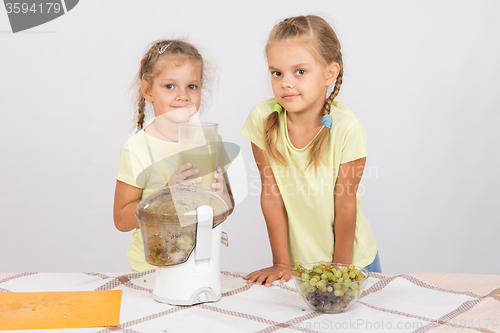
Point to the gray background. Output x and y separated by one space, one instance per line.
423 75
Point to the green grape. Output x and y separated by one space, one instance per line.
305 276
352 275
345 276
329 289
340 280
337 286
322 262
324 276
338 274
344 269
318 270
320 285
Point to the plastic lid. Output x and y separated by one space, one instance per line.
177 205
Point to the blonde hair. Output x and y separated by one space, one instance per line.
153 63
319 38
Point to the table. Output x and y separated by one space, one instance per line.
415 302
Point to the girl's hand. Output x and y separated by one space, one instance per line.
276 272
220 184
181 173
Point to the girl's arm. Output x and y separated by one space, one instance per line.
126 199
277 225
344 196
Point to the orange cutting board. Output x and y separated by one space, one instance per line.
51 310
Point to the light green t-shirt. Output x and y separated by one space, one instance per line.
308 197
150 169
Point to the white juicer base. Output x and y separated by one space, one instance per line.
192 282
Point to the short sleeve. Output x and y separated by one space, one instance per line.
253 127
223 159
125 170
355 144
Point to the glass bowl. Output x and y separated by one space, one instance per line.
323 290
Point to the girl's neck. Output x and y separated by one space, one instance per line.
305 120
163 129
309 118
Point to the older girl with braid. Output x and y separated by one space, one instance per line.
311 152
171 77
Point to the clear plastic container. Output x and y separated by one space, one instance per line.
168 221
198 144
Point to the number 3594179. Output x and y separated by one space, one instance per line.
20 7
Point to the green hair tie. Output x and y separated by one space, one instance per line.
278 108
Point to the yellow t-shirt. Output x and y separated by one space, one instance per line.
147 163
308 197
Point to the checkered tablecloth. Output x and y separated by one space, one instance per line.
416 302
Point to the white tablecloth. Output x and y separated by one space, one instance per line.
416 302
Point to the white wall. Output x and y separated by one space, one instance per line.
423 75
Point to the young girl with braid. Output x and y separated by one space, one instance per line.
171 77
310 151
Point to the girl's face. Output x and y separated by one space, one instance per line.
299 82
176 91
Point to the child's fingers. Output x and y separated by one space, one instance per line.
219 178
188 173
267 279
252 277
183 167
196 180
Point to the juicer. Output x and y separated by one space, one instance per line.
181 230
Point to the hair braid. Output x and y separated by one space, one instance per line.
335 91
141 113
271 128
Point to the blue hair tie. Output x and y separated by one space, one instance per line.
327 121
278 108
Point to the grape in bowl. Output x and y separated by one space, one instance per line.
329 287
